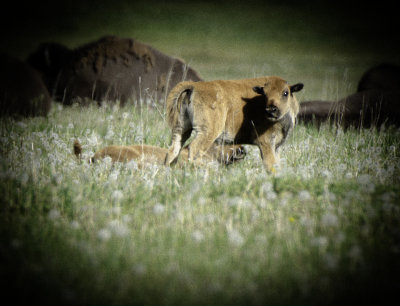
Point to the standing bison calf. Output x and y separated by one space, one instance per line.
259 111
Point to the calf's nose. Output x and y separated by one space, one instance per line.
272 109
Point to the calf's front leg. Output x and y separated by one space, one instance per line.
268 156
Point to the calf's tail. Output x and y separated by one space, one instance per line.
78 152
77 149
181 93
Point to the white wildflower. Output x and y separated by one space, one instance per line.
304 196
271 196
262 203
267 190
198 236
138 138
355 252
205 219
93 140
389 207
261 239
56 178
107 162
132 165
75 225
388 197
104 234
54 214
331 261
255 214
21 124
235 201
306 221
202 201
139 269
158 209
326 173
113 176
116 210
126 218
348 175
117 195
371 211
329 219
364 179
238 202
24 178
320 241
342 167
235 238
366 182
118 228
70 125
109 135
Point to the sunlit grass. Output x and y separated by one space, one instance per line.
173 235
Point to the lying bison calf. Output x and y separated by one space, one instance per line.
259 111
156 155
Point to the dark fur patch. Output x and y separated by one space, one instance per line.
77 149
287 126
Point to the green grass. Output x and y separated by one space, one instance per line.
117 234
323 229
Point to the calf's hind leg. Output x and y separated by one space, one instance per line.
179 138
204 139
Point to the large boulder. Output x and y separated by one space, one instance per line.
376 102
22 91
383 77
362 109
110 69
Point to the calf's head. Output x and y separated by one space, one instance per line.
279 98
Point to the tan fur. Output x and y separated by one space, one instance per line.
231 112
150 154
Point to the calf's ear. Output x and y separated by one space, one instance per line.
296 87
259 90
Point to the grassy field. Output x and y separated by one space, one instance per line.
324 229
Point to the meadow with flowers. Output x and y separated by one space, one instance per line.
324 229
118 234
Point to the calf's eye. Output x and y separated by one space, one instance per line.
285 93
